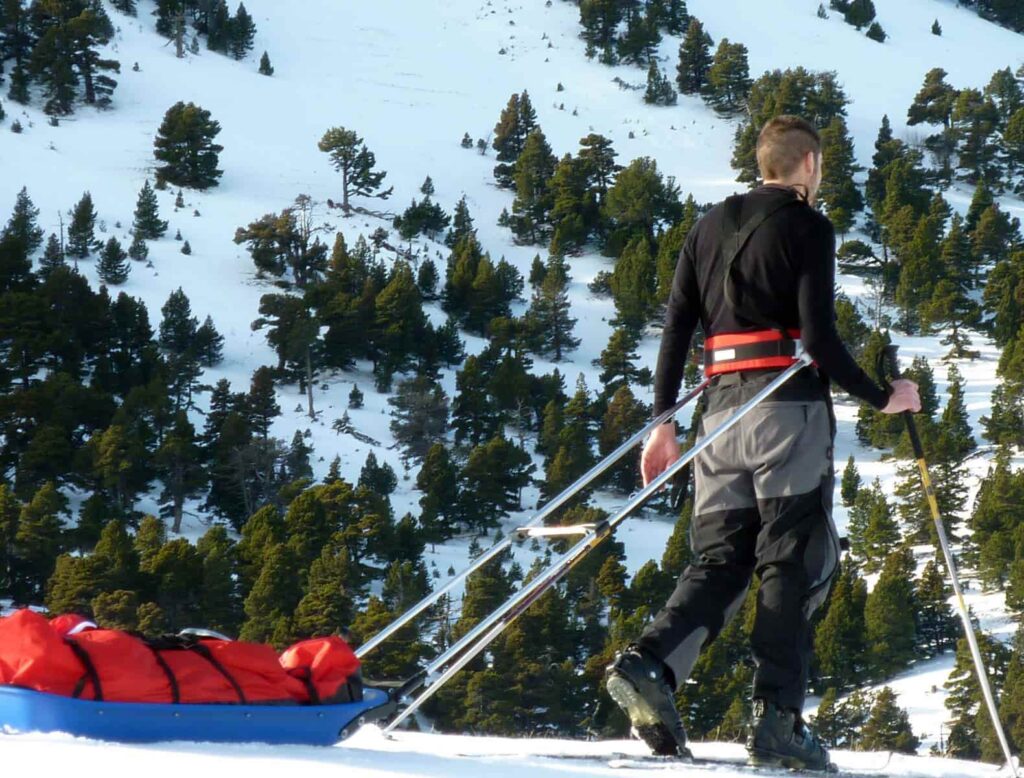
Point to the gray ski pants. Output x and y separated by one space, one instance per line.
763 503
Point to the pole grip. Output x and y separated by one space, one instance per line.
892 362
889 365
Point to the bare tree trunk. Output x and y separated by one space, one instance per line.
179 35
309 382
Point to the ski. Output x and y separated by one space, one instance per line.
740 764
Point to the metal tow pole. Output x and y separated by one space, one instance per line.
926 483
474 641
557 502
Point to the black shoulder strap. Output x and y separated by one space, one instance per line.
90 675
735 239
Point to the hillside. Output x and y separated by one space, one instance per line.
411 79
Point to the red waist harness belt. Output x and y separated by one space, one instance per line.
758 350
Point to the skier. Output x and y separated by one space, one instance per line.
757 272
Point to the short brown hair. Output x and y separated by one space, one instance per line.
782 144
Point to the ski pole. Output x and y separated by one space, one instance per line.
478 638
538 519
892 363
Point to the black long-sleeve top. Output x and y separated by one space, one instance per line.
786 274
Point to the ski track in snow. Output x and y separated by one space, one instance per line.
411 78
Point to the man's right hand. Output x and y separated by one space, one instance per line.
904 397
660 451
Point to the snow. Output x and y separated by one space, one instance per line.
411 78
368 753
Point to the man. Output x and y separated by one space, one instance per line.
757 272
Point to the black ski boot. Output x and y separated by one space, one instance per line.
779 738
637 682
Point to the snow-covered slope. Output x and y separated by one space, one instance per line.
411 78
368 754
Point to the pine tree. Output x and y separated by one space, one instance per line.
670 246
624 416
936 626
859 13
600 20
889 615
138 250
399 320
148 225
178 326
510 134
533 169
220 600
951 304
964 700
22 226
572 450
184 144
126 7
438 482
118 609
640 201
356 163
327 607
728 78
876 33
74 584
838 192
850 484
974 121
840 647
378 479
81 230
548 318
888 728
639 42
936 28
266 69
659 88
37 542
694 59
954 424
179 465
218 27
261 403
491 482
462 223
420 417
242 32
113 267
52 67
273 598
86 33
633 285
18 92
617 362
208 344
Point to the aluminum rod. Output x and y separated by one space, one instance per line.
557 502
972 640
474 641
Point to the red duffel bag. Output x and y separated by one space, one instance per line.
327 668
34 655
72 657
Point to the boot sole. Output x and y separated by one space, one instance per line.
645 720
